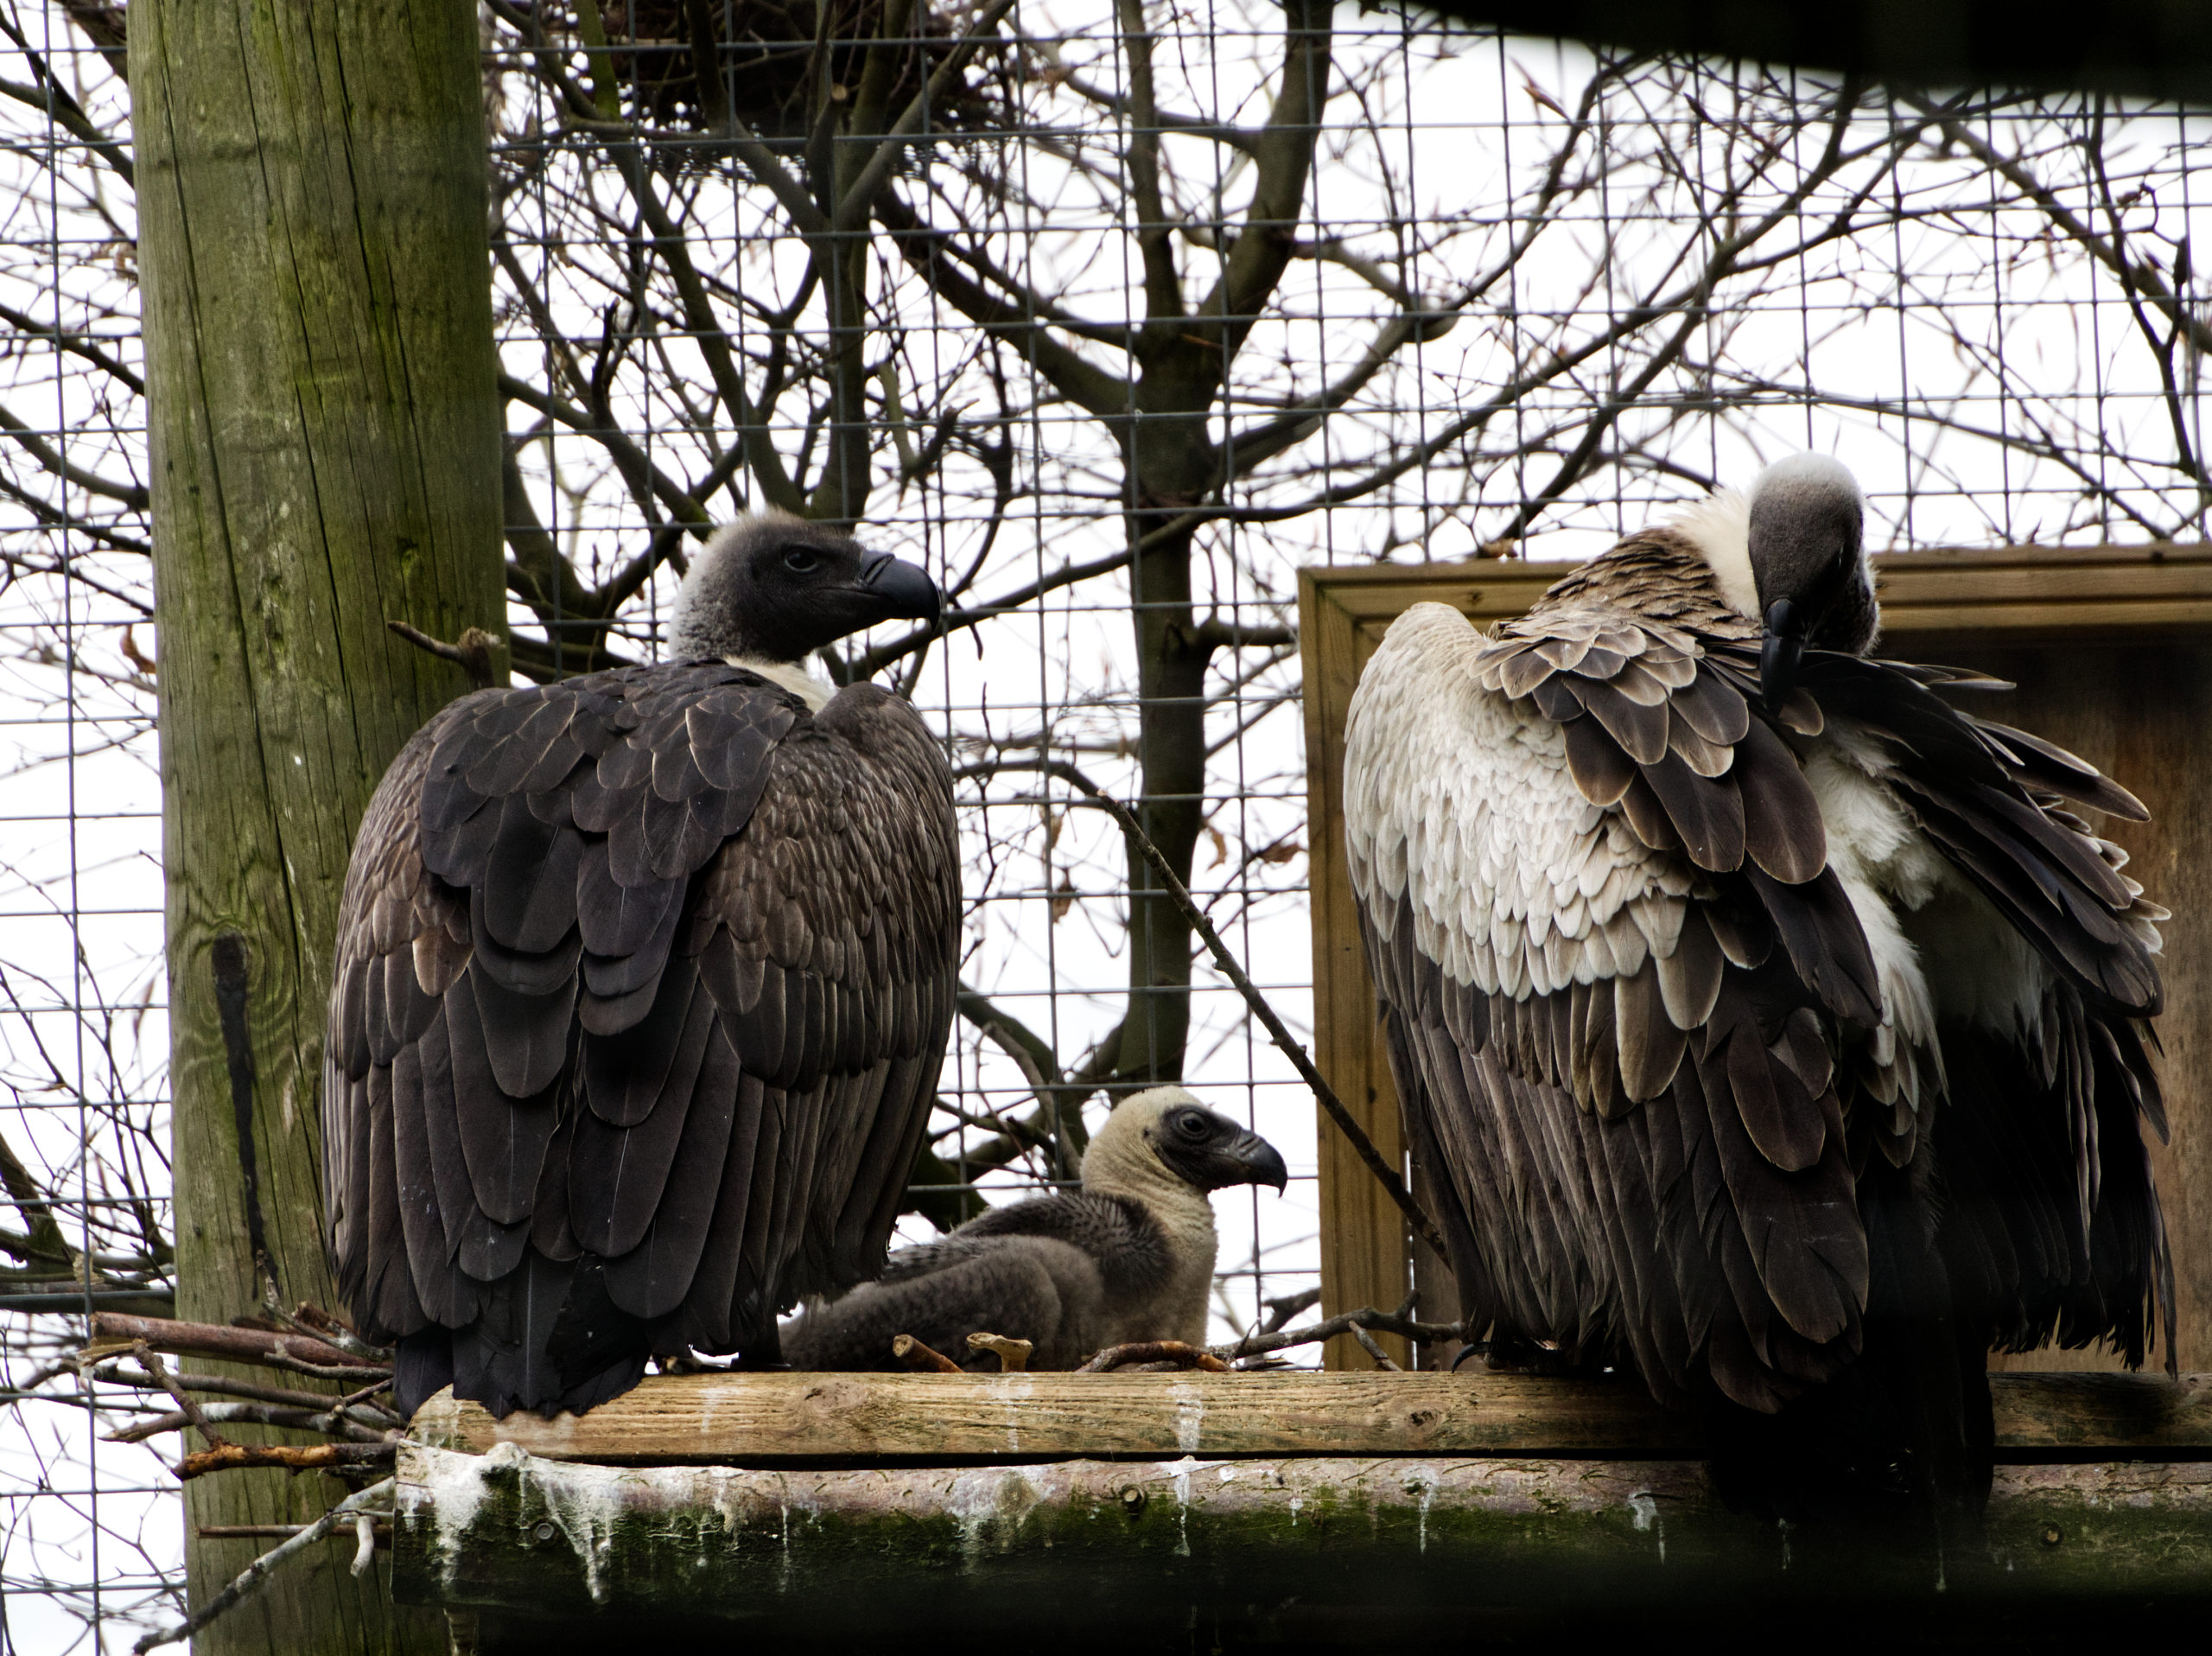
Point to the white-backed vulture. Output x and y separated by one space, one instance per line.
1766 1023
643 982
1129 1257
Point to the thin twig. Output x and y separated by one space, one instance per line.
1382 1359
918 1357
296 1457
1181 1352
192 1411
295 1352
332 1423
473 655
1013 1354
1282 1308
268 1531
261 1569
1398 1323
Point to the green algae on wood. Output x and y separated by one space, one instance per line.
1092 1542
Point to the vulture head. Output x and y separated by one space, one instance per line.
1806 543
773 588
1165 1134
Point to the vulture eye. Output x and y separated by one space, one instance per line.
801 560
1189 1123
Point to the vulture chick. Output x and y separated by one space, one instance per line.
1129 1257
1764 1023
642 986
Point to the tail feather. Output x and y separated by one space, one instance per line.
548 1338
1905 1433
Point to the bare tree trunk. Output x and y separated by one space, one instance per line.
1172 465
325 455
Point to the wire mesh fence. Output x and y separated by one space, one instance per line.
1112 315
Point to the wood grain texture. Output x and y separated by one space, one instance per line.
325 438
2112 649
1365 1243
767 1418
1150 1551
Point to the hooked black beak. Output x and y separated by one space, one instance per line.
1260 1162
1781 653
903 590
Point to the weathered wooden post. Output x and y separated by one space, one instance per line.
325 455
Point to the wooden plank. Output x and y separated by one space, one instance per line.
765 1418
1364 1241
1296 1545
2111 647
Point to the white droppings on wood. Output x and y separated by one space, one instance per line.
452 1491
1644 1512
1010 1392
587 1511
1179 1479
1189 1415
1421 1483
990 1505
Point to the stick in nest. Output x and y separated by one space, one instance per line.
1400 1322
1013 1354
1181 1354
918 1357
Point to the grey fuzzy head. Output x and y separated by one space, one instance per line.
1807 548
773 588
1166 1130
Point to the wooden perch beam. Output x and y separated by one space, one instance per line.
1012 1417
1286 1547
767 1418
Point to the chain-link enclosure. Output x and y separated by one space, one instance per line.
1112 315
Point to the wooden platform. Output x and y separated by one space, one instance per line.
770 1420
1253 1508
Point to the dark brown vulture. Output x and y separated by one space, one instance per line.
1129 1257
1767 1024
643 982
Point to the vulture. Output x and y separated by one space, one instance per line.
643 982
1129 1257
1766 1024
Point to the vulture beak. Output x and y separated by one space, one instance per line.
1781 651
1259 1162
903 590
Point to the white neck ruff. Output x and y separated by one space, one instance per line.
793 676
1719 526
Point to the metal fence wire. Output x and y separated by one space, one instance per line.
1148 305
